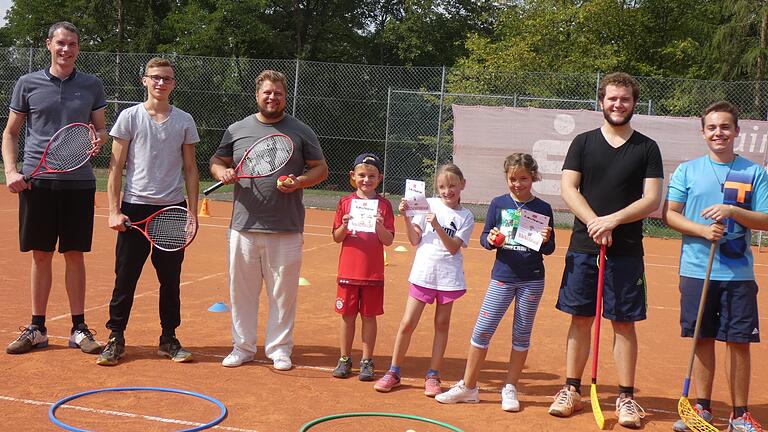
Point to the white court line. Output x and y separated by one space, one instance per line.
140 295
122 414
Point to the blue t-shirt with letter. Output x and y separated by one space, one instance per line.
701 183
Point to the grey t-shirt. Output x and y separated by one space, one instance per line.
50 104
153 167
258 204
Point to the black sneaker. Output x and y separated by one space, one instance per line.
171 347
344 368
112 352
366 370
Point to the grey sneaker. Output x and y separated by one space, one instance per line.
171 347
367 371
30 337
680 425
82 337
112 352
344 368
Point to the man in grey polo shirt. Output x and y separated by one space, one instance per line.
54 207
265 235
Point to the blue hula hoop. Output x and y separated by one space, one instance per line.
59 423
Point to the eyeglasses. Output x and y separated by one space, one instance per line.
157 78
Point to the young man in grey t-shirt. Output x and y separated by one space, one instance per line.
267 224
155 143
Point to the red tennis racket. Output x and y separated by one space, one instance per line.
69 149
170 229
264 157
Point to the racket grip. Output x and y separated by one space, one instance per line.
27 178
127 224
212 188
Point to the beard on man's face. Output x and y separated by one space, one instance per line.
620 122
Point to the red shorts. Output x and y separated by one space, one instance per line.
366 299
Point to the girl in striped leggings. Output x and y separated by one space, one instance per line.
518 273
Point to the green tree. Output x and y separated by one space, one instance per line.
740 51
138 22
425 32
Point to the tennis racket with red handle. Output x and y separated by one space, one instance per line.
69 149
264 157
170 229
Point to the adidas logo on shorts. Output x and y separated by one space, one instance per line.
755 331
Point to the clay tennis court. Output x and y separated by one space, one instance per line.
261 399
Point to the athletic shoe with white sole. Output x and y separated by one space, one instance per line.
237 357
459 393
629 412
282 363
680 425
567 401
509 400
30 337
82 337
113 351
171 347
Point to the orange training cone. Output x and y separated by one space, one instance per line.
204 212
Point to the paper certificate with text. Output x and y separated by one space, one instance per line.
415 197
362 215
529 231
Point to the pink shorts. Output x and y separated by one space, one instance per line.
428 295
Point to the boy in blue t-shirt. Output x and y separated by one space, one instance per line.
719 198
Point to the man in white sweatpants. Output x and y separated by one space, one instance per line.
265 235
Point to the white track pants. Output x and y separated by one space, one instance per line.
275 260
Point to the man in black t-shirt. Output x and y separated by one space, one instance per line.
612 179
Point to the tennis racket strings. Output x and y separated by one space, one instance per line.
267 156
172 229
70 149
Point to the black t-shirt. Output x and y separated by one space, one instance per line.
612 179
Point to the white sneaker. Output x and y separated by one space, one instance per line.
459 393
237 357
509 400
282 363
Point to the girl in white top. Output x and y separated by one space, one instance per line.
437 273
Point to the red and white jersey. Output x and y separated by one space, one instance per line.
361 261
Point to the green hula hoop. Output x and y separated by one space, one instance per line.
317 421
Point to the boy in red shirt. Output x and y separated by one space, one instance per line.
361 265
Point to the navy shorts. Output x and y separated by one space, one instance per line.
48 214
730 311
624 290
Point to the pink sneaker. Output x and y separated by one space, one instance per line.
386 383
432 386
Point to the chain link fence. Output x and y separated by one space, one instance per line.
401 113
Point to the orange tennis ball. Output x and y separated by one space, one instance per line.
498 241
